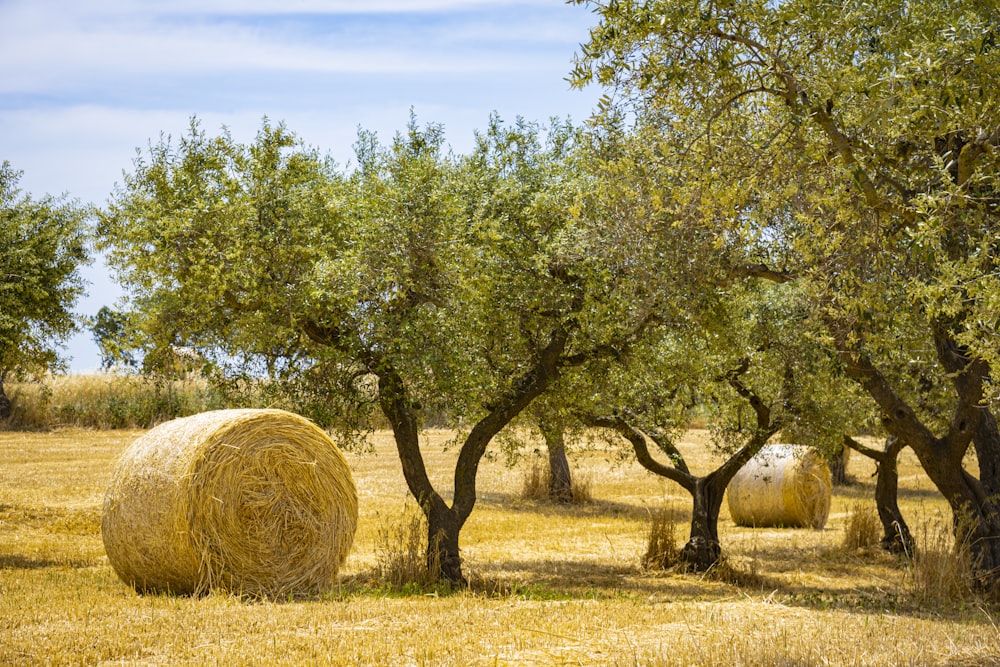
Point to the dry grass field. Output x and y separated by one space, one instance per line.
551 585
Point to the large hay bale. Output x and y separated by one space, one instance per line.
783 485
258 502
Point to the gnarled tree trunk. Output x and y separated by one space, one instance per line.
703 549
974 509
443 557
560 480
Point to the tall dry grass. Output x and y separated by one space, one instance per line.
663 543
940 573
401 548
105 401
863 529
537 478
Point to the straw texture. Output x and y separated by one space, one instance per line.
783 485
258 502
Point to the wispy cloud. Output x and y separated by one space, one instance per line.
89 45
86 82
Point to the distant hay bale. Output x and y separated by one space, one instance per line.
783 485
257 502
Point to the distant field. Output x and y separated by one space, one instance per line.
571 590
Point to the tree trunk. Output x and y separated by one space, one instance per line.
5 406
560 480
443 557
975 512
976 517
703 548
987 444
838 466
896 537
443 524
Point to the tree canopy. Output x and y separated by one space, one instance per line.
43 245
416 278
851 146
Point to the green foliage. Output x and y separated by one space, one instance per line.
43 245
453 271
857 139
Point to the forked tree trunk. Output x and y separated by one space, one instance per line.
703 548
443 557
560 480
974 509
444 523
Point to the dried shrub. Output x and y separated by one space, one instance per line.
401 551
662 548
863 529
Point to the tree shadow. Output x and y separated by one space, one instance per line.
19 562
595 508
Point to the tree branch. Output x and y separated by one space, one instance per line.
638 441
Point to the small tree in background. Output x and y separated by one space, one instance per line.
43 245
114 338
743 365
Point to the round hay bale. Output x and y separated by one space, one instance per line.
257 502
783 485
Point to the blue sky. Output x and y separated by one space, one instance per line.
87 82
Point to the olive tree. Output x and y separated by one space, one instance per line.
43 245
415 279
861 137
744 366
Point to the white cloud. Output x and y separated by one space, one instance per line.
89 46
320 7
86 82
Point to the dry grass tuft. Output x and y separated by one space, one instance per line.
940 573
401 551
535 481
257 502
863 529
662 545
537 477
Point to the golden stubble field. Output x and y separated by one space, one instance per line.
573 591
